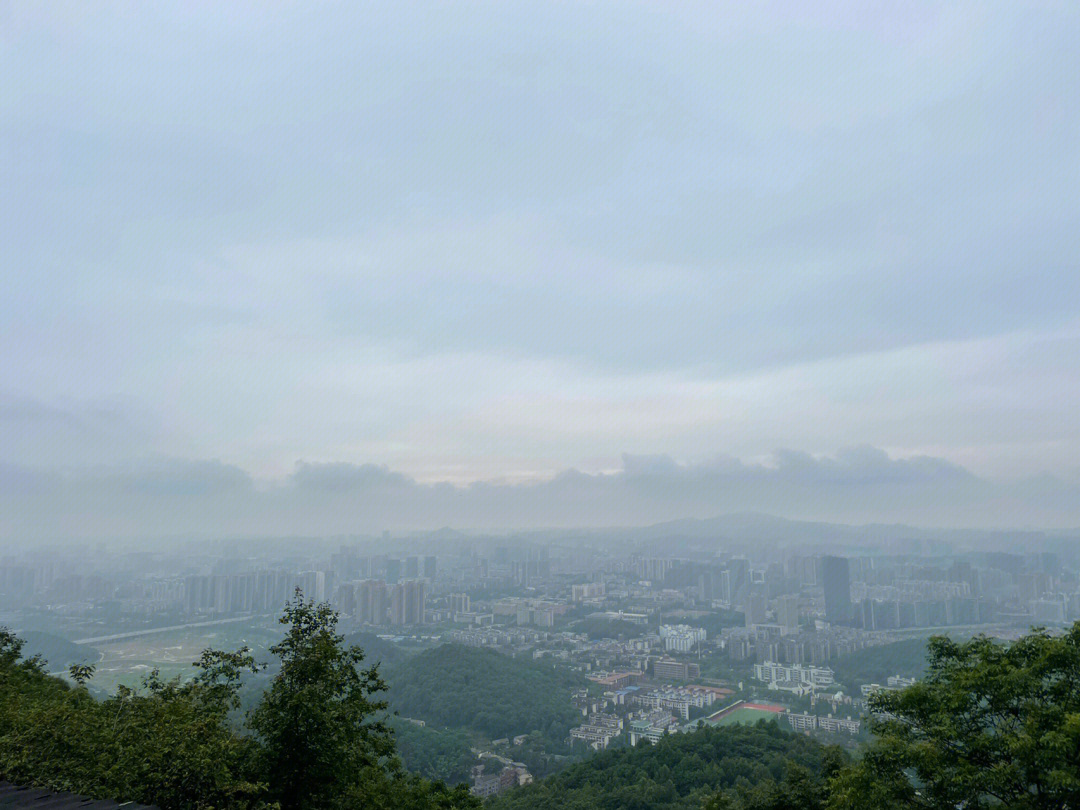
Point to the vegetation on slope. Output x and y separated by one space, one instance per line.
876 664
58 653
990 725
680 772
377 650
482 690
317 741
442 754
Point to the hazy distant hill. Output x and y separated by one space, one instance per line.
753 526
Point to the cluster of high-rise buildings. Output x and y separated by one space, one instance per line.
377 602
255 592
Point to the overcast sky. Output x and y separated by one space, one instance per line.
496 242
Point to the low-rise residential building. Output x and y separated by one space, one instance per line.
677 699
839 724
669 668
599 731
652 727
810 722
794 677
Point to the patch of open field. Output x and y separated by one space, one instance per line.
129 661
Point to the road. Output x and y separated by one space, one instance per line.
152 631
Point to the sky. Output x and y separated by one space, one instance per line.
536 264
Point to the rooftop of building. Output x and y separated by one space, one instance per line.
17 797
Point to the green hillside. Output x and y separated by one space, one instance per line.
443 754
681 772
482 690
876 664
58 652
377 650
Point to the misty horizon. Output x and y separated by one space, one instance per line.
167 498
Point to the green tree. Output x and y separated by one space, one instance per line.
991 725
167 744
178 745
322 745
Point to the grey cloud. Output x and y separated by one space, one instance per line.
861 466
172 477
66 431
342 477
704 193
210 498
17 481
856 466
634 466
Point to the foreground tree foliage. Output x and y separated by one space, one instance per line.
990 726
313 741
314 721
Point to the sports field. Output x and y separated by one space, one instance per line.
745 717
745 713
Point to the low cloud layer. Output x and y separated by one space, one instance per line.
169 498
492 241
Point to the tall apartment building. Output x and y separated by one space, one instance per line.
372 602
653 568
415 598
407 602
393 570
590 590
459 603
787 613
836 579
755 609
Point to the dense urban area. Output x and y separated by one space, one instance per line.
510 657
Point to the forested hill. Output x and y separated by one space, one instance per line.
485 691
58 653
876 664
681 772
377 650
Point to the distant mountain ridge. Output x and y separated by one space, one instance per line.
754 526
